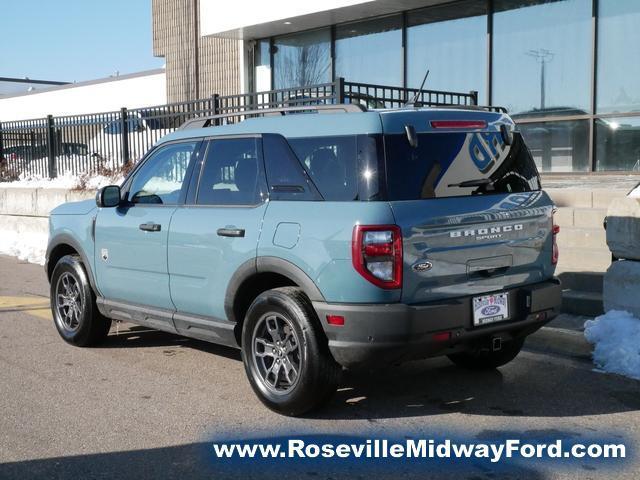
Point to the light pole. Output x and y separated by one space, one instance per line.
542 56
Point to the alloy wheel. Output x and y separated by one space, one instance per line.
276 353
68 302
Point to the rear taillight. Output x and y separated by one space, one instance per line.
376 252
555 252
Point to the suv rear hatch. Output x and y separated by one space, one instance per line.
468 201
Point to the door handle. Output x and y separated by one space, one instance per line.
150 227
231 232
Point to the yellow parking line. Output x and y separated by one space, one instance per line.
35 306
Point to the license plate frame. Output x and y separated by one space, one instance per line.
490 309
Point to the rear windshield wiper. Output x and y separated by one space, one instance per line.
478 182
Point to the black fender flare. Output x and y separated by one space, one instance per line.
67 239
268 265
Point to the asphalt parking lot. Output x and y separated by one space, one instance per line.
147 404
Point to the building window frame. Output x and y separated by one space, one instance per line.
592 116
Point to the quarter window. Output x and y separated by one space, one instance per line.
331 162
287 179
161 178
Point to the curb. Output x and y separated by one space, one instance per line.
560 341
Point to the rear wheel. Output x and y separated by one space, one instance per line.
73 305
285 354
486 359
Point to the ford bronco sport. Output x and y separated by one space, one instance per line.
334 237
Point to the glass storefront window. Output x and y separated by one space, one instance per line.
370 52
618 143
618 56
542 56
451 42
262 66
302 59
558 146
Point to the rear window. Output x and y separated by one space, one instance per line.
457 164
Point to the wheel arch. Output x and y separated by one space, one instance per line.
258 275
64 244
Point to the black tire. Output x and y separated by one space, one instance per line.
485 359
318 373
85 326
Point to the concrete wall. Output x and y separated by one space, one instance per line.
137 90
27 209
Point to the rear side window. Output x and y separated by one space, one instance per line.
332 164
232 173
458 164
286 177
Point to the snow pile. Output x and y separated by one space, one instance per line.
24 240
635 193
28 246
616 337
67 181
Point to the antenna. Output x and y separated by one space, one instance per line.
415 97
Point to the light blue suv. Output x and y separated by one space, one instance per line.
319 239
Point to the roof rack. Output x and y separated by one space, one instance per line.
331 97
211 120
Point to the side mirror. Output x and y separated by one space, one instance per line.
108 197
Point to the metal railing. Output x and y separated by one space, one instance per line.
100 142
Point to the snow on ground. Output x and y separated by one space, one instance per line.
67 181
616 339
635 193
27 246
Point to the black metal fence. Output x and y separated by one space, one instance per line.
75 144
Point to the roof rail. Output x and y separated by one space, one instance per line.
211 120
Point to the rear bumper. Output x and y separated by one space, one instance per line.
379 334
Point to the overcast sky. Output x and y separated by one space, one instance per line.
75 40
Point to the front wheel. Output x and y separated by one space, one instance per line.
285 355
485 359
73 305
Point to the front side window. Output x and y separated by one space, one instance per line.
160 180
232 173
458 164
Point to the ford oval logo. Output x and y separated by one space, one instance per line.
490 310
422 266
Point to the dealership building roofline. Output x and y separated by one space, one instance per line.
267 19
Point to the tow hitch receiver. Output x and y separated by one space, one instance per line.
496 344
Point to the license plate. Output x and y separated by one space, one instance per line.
490 309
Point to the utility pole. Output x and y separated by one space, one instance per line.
542 56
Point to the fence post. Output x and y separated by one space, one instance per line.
51 147
215 107
124 131
1 143
339 90
474 97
